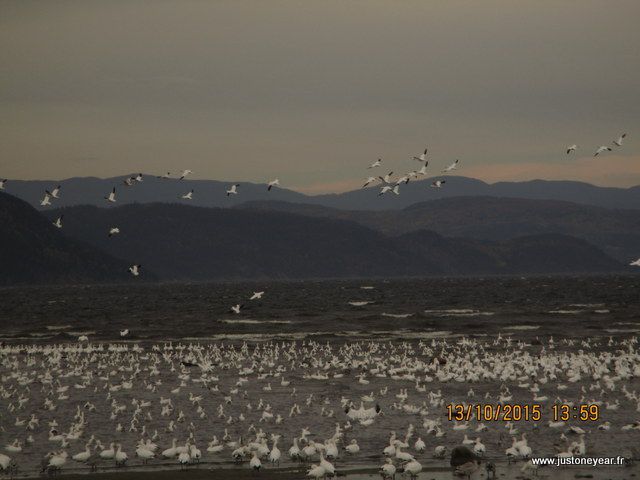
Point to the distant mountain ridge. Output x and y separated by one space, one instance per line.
211 193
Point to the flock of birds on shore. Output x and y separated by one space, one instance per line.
111 405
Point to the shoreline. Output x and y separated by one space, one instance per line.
231 471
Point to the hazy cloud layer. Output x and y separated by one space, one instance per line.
312 92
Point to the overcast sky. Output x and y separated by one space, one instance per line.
314 91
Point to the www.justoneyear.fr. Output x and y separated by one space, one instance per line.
578 461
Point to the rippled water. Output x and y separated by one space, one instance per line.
187 311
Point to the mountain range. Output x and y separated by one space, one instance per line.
276 239
211 193
180 242
615 231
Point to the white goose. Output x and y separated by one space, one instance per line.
112 196
422 157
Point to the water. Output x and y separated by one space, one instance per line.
472 306
397 320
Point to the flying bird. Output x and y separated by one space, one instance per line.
185 173
404 180
55 193
601 149
388 188
422 157
236 308
438 183
2 182
273 183
635 263
47 199
386 178
113 231
618 142
256 295
187 196
58 222
138 178
451 167
165 176
571 148
233 190
128 181
124 333
112 196
369 181
135 270
375 164
423 169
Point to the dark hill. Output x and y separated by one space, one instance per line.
32 250
616 231
182 242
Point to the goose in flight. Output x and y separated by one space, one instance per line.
404 180
635 263
273 183
451 167
58 222
113 231
388 188
438 183
2 182
386 178
423 169
375 164
135 270
187 196
185 173
128 181
138 178
47 199
422 157
571 148
233 190
236 308
618 142
368 181
55 193
601 149
256 295
112 196
124 333
165 176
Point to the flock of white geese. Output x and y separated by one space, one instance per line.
328 406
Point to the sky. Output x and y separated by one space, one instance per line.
312 92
